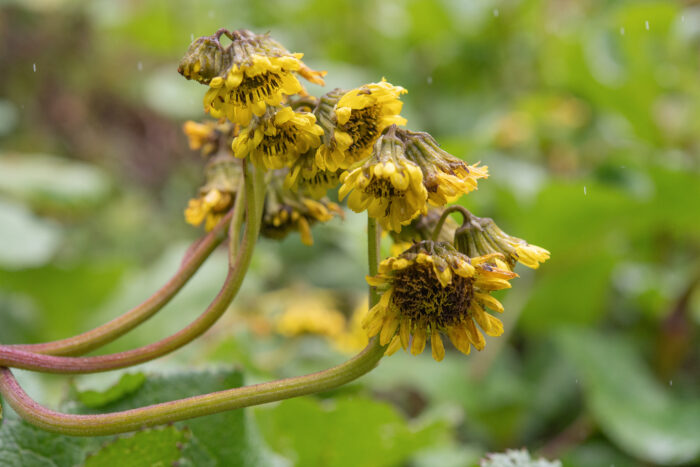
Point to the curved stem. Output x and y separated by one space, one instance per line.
108 332
183 409
443 217
31 361
207 404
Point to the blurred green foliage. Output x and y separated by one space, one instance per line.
587 113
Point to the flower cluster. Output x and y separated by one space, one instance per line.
407 172
439 281
254 71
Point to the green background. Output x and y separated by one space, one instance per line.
587 114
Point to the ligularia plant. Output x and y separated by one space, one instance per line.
272 152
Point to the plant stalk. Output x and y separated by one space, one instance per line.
16 358
108 332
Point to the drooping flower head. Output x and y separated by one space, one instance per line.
286 211
353 120
387 184
208 137
254 71
432 289
445 177
305 177
223 177
277 138
481 236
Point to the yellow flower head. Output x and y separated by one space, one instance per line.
286 211
353 121
304 176
481 236
445 177
223 177
254 71
354 337
387 184
209 136
311 315
432 289
277 138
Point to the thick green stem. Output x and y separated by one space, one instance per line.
234 231
108 332
31 361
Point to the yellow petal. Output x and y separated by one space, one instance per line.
391 322
393 346
459 338
419 339
438 349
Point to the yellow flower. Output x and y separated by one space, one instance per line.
286 211
353 338
311 316
254 71
432 289
445 177
223 175
353 121
308 179
277 138
388 185
208 136
481 236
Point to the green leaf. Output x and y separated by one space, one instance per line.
127 384
58 313
25 240
229 438
344 432
157 448
51 181
638 415
516 458
23 445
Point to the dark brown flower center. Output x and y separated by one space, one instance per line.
256 88
362 127
419 296
383 188
277 144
